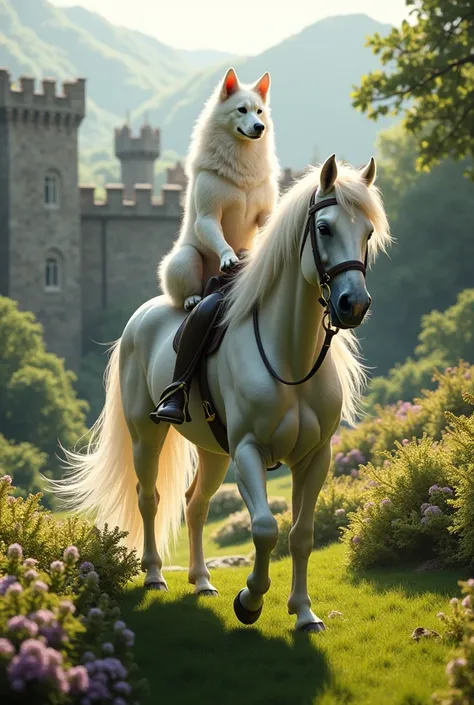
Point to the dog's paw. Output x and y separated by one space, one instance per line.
228 262
191 302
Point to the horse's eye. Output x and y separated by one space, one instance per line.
242 110
259 111
323 229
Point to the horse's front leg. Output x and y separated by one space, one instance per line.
250 470
308 478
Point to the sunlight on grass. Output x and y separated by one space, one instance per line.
194 650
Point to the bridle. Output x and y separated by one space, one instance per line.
325 277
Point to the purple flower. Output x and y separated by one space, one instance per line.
95 613
405 442
339 456
432 509
119 626
119 701
14 589
7 479
78 679
57 567
88 657
40 586
355 473
22 625
122 688
86 567
129 637
108 648
470 582
386 502
373 483
15 551
465 603
433 489
424 506
17 685
424 520
31 575
340 512
356 540
6 648
71 554
5 583
368 505
356 456
30 563
446 490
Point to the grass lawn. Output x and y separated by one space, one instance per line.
194 650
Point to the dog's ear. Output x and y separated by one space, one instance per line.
328 175
230 85
370 172
263 86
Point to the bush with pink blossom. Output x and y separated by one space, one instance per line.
61 637
460 668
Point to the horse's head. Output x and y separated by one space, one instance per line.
334 255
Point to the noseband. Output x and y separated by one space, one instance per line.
325 277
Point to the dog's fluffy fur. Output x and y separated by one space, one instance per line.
232 173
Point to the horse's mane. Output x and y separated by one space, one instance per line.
277 243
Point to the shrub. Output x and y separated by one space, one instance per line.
237 528
407 511
61 639
338 498
226 501
460 669
25 521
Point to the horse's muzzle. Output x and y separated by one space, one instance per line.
350 309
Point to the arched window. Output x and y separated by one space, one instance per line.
51 189
52 273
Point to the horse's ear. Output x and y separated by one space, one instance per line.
370 172
230 84
263 86
328 175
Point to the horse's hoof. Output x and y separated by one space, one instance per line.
243 614
207 593
162 587
312 627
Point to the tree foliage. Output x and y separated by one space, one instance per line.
429 76
38 402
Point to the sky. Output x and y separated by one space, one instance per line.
236 26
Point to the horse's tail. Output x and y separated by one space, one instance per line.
102 482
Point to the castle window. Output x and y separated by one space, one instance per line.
52 273
51 189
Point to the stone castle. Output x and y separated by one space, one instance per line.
64 255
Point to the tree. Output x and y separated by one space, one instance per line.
429 77
38 402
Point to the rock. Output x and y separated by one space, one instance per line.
423 633
172 568
227 562
334 614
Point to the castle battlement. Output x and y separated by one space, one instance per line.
24 103
145 146
143 204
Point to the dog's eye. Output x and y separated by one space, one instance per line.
242 110
323 229
259 111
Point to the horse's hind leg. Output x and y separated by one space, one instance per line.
147 441
209 477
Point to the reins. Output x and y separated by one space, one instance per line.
325 279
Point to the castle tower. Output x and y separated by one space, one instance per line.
137 157
40 248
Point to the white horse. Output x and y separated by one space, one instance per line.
270 414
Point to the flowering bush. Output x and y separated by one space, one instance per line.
419 504
460 669
61 638
25 521
238 527
338 498
405 420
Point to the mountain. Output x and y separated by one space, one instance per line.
312 74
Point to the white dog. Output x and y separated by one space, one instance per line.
232 188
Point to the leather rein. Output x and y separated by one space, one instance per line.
325 277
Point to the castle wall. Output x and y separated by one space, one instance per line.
42 140
122 243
